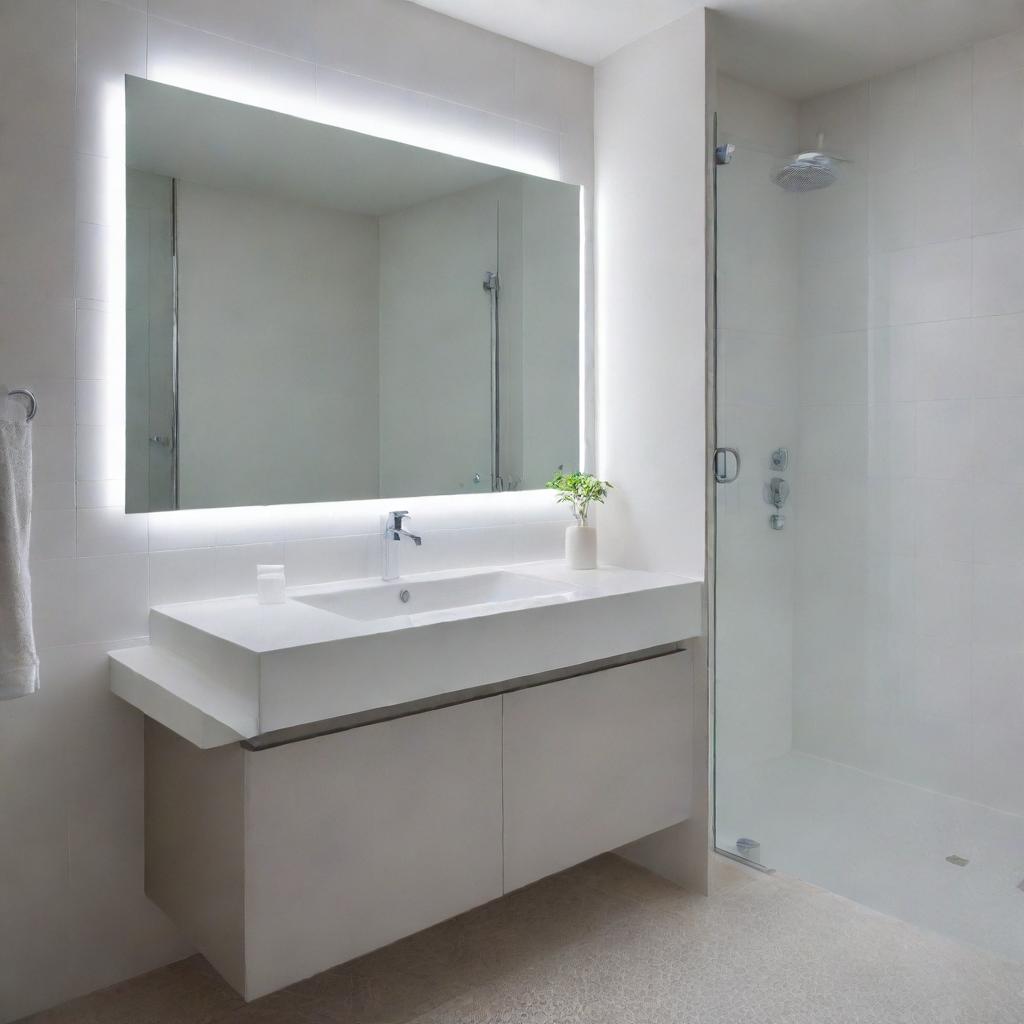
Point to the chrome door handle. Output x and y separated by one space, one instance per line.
725 465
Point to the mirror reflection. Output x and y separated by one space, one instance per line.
314 314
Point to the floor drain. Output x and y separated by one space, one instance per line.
960 862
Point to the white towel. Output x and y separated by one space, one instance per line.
19 664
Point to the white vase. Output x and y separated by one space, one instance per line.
581 547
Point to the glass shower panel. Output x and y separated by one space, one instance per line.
757 378
867 576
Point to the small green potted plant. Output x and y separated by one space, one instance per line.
580 490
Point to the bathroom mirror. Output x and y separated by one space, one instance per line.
314 314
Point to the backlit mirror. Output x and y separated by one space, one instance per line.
315 314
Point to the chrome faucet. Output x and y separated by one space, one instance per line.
391 537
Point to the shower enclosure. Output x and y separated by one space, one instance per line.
869 559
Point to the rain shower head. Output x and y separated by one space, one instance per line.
806 172
809 171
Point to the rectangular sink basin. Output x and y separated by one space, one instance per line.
420 599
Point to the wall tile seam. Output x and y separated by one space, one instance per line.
508 41
455 104
133 640
316 67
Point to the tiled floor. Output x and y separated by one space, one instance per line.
607 943
885 844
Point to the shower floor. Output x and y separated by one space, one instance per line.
884 843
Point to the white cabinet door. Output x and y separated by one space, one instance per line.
594 762
356 839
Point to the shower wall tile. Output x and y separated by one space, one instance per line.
841 117
756 120
834 295
999 274
890 130
999 56
942 108
892 443
942 202
942 597
998 449
998 604
937 582
942 518
998 537
944 360
834 439
756 368
833 227
998 106
892 220
997 700
944 434
834 368
70 788
939 287
999 356
998 190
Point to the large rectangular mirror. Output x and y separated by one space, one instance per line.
314 314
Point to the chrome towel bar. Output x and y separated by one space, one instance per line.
33 405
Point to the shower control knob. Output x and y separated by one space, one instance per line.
776 491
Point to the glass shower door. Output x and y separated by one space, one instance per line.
755 414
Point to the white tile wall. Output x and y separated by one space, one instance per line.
911 435
72 913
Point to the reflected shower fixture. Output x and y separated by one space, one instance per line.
723 153
810 171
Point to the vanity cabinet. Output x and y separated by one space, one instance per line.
280 863
284 861
593 762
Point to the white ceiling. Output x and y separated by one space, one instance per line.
795 48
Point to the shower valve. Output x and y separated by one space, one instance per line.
776 491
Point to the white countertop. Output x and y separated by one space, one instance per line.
222 670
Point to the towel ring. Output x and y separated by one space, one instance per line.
33 405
